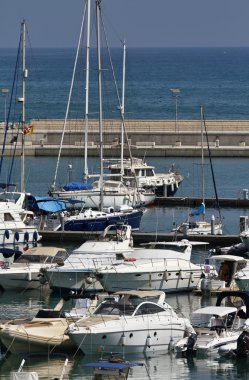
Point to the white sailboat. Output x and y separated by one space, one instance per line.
16 222
103 193
195 226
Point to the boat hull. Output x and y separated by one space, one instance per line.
172 281
99 224
130 341
72 280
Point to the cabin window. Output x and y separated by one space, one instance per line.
150 173
149 308
8 217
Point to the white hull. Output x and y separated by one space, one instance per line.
173 281
135 339
26 279
72 279
91 199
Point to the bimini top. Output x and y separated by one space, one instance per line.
229 258
140 293
221 311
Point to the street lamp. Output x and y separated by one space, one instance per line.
176 93
4 92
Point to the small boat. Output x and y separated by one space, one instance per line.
193 226
131 321
215 326
222 273
77 271
46 331
164 184
114 368
93 220
162 266
16 223
24 273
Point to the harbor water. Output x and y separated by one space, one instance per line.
218 79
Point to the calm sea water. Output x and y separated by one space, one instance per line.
217 78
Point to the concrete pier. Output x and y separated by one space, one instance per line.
155 138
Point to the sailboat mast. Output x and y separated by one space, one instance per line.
87 87
122 111
202 159
23 99
98 5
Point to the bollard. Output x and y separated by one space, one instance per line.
62 220
213 225
243 223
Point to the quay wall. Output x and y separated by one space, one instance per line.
157 138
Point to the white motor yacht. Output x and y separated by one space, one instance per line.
77 272
24 273
168 268
16 223
131 321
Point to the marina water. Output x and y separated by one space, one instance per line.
217 78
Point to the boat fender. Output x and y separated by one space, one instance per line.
26 237
42 279
29 276
7 234
16 236
123 340
171 344
192 277
180 274
148 341
166 275
35 236
130 259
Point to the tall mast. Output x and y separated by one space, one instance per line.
23 100
87 87
202 159
98 5
122 111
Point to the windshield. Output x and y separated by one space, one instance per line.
115 308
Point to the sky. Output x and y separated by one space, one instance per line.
142 23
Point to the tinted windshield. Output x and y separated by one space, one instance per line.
115 308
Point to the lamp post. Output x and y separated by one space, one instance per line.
4 92
176 93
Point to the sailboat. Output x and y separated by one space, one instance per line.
102 193
16 222
195 226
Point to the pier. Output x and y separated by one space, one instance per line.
139 237
155 138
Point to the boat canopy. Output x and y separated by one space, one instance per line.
71 186
221 311
48 204
140 293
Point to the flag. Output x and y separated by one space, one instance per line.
199 211
27 130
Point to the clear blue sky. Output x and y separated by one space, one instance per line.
143 23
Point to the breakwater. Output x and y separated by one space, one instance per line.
155 138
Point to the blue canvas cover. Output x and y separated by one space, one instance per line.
49 204
199 211
71 186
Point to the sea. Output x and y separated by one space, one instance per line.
216 78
